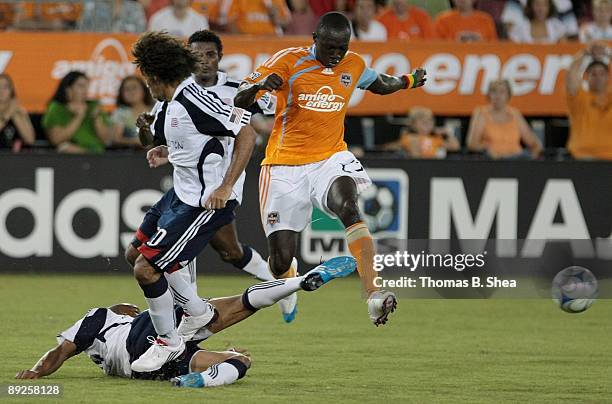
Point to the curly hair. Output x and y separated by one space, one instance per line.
163 57
207 36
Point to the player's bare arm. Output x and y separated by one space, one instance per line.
247 93
50 361
245 141
386 84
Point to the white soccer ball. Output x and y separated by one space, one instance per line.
376 204
574 289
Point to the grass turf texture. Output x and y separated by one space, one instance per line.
431 351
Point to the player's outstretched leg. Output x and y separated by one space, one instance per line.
342 200
282 245
218 374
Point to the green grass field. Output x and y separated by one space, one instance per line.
432 351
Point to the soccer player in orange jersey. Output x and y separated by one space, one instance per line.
307 162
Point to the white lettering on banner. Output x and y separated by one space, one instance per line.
105 74
499 203
558 194
5 58
446 71
449 204
39 202
104 242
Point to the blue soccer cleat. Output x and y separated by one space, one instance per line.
289 317
338 267
194 380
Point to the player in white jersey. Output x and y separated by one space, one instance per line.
209 48
200 130
114 337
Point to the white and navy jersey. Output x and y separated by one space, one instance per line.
199 129
112 341
101 334
227 89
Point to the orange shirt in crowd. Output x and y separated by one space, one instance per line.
252 16
50 12
7 15
430 146
416 24
590 125
311 104
502 139
476 26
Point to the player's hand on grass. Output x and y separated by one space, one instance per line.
157 156
271 83
218 198
27 374
419 77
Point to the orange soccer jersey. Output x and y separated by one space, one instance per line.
312 103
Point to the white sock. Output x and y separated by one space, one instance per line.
161 309
224 373
267 293
258 267
188 273
184 294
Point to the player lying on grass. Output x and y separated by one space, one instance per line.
116 336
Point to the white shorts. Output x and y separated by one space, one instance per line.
288 193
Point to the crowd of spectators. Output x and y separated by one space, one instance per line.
74 124
523 21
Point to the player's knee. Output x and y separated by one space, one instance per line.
243 358
347 211
143 271
131 253
280 262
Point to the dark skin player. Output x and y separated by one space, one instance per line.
331 43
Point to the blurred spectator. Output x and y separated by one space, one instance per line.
404 21
465 24
365 27
7 15
498 129
178 19
152 6
15 125
258 17
433 7
57 16
494 8
113 16
514 15
74 124
303 20
601 27
133 99
421 139
320 7
541 25
590 111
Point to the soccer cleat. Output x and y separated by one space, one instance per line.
194 380
190 325
380 305
158 354
338 267
288 305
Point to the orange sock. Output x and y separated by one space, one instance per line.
361 245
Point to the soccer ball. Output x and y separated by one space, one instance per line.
376 203
574 289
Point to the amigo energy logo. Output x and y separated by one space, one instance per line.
324 100
385 209
106 67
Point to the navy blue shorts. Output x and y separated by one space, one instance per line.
137 344
173 233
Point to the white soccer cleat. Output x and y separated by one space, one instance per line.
288 305
190 325
380 305
158 354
